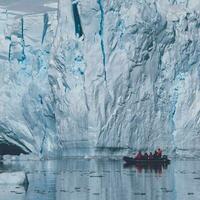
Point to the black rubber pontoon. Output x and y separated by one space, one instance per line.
132 161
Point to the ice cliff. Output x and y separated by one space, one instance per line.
26 114
104 74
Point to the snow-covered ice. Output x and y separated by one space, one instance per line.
118 74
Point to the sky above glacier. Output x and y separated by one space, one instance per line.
29 6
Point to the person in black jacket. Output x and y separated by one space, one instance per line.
159 153
146 156
155 155
150 156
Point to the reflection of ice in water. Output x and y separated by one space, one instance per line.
12 192
75 179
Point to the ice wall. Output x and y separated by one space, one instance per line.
132 79
26 114
104 74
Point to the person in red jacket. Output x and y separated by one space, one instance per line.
139 156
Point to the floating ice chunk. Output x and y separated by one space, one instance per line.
13 178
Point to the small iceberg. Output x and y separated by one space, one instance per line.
14 178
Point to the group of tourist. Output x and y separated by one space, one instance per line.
157 155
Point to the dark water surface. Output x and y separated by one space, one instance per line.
103 179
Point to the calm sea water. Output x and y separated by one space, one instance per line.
103 179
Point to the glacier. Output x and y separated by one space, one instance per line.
27 118
86 77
